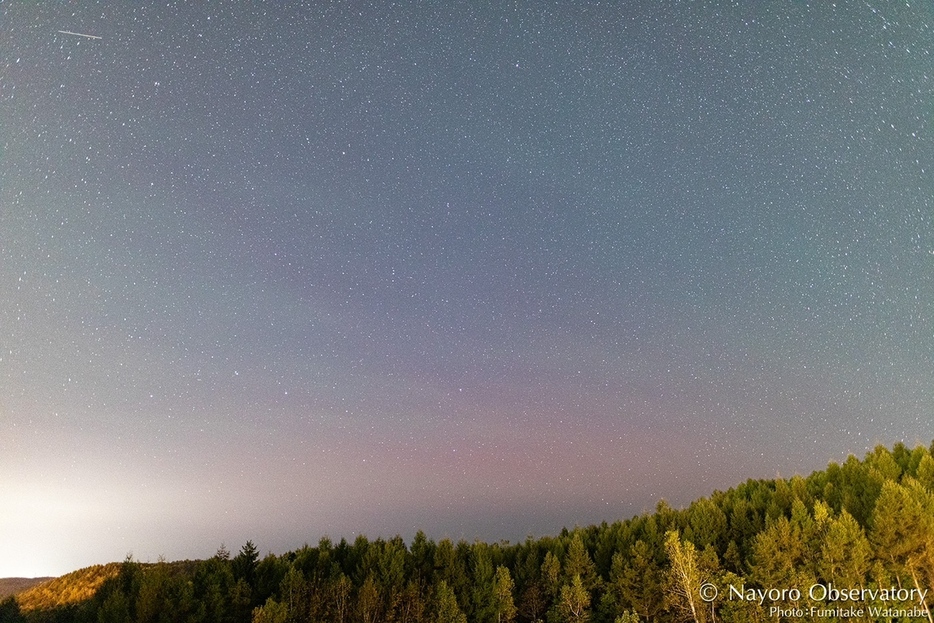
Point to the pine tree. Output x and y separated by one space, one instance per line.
503 604
368 601
637 580
577 562
845 552
574 602
446 608
551 575
244 563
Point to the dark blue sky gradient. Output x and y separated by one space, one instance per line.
275 272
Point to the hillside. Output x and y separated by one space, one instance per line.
864 526
70 588
11 586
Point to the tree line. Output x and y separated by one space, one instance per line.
865 525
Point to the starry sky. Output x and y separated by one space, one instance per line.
285 270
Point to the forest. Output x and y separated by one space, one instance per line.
853 542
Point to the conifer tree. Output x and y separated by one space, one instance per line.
482 584
845 552
925 472
504 605
574 602
368 601
244 563
115 609
339 593
577 562
551 576
446 608
707 523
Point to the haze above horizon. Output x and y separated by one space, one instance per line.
279 272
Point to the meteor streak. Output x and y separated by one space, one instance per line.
79 34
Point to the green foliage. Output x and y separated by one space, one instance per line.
10 612
271 612
551 576
845 552
862 523
115 609
573 604
244 564
446 608
925 472
901 524
706 524
503 604
577 562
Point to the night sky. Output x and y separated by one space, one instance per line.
487 270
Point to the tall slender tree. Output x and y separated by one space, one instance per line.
504 606
685 578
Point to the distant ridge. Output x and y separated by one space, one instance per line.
11 586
